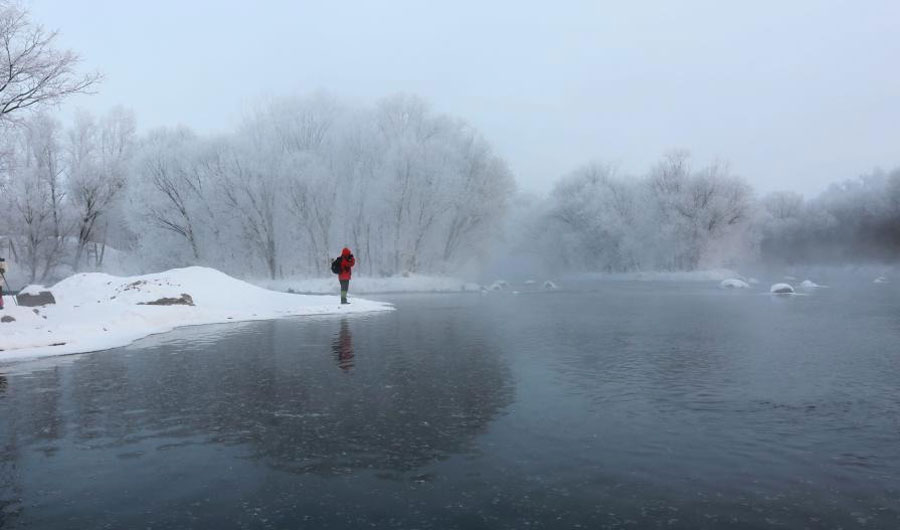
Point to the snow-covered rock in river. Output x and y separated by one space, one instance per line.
550 285
781 288
530 282
97 311
499 285
880 279
734 283
809 284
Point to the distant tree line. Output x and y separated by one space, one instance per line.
855 221
409 190
679 218
674 217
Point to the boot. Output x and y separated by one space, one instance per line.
344 298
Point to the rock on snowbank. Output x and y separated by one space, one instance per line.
96 311
734 283
781 288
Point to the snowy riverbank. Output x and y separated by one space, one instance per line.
95 311
363 285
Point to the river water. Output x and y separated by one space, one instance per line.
599 405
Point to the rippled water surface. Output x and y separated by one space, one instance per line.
614 405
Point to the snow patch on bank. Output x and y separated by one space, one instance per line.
96 311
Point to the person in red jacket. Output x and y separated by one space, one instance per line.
2 279
347 263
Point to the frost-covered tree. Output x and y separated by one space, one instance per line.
674 218
592 209
854 221
166 195
33 71
35 195
298 188
442 187
99 160
410 190
252 187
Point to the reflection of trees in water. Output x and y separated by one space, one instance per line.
418 393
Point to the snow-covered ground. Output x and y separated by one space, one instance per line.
96 311
414 283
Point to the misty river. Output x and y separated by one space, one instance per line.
599 405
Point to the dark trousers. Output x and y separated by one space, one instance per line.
345 286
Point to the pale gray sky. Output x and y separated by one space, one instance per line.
794 94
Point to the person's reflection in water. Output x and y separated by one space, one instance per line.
3 384
342 347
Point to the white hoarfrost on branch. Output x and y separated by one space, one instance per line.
33 72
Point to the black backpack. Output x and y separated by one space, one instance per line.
336 265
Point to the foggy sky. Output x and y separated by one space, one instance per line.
793 94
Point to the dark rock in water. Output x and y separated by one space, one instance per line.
7 319
35 300
184 299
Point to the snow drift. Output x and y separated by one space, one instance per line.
97 311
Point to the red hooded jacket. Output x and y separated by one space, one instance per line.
347 263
